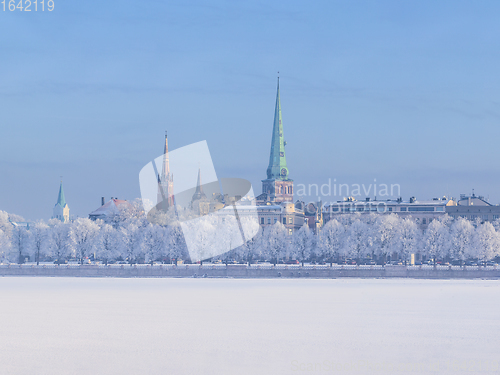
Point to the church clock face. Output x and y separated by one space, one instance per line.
283 171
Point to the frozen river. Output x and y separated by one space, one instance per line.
231 326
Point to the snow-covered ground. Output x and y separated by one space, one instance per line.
232 326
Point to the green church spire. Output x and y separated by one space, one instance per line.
61 200
277 161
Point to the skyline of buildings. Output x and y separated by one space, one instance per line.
276 201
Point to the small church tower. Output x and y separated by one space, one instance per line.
199 203
277 188
61 209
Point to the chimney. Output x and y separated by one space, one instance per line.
102 201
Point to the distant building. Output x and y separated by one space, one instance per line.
109 210
313 214
423 212
21 224
285 213
61 209
473 208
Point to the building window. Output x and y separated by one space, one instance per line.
275 220
473 217
424 221
290 232
403 209
284 220
269 220
290 220
484 217
422 208
262 220
390 209
496 217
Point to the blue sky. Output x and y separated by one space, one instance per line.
404 92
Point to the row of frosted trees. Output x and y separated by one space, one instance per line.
381 238
132 238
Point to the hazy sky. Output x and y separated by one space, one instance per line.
402 92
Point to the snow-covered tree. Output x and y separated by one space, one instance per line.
461 233
347 219
385 230
358 241
20 244
5 232
302 244
4 246
108 243
331 240
129 211
83 234
257 246
250 227
436 241
486 242
275 240
39 240
155 242
175 246
496 225
59 242
131 235
5 225
407 237
201 240
228 237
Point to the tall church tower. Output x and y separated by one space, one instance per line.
277 187
61 209
165 182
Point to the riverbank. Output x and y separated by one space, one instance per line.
253 271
